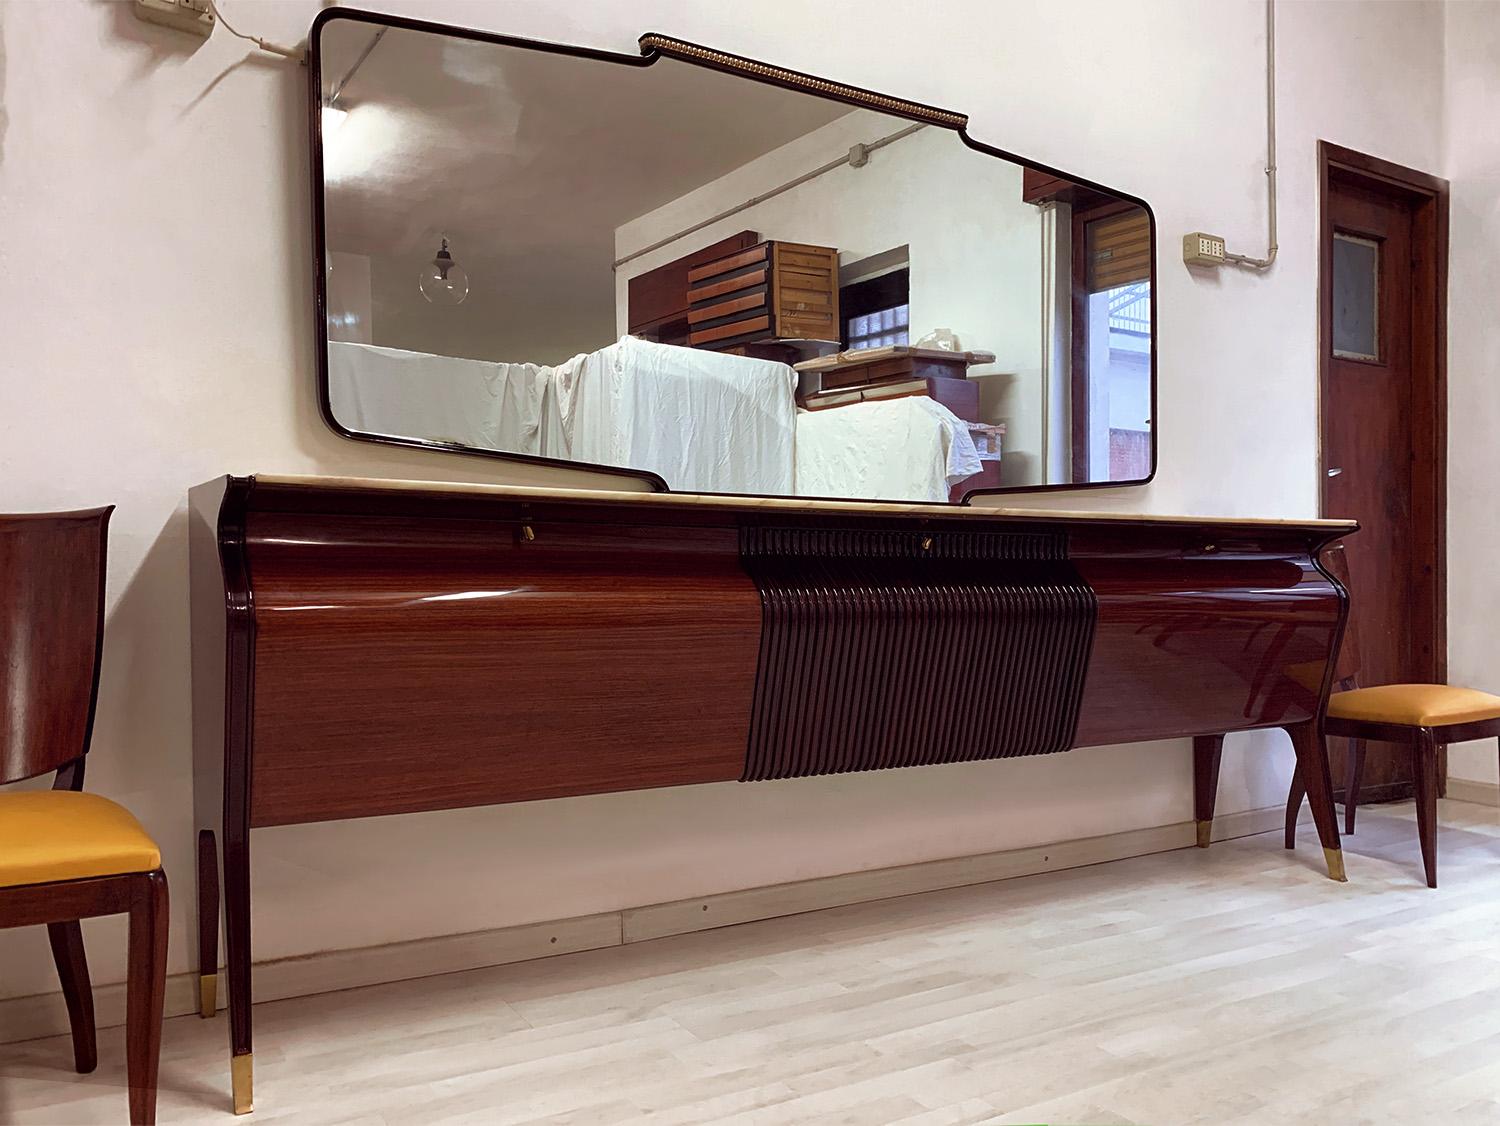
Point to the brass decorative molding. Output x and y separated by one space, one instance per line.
691 52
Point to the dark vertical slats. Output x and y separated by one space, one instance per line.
883 649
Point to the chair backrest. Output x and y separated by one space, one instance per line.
51 637
1346 668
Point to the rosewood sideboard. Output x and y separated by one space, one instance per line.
365 647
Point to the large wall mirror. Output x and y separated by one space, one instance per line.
713 274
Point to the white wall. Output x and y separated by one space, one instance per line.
156 309
1472 145
975 248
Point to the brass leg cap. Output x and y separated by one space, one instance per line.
1205 832
1335 858
240 1075
208 995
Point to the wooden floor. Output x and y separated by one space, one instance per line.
1232 986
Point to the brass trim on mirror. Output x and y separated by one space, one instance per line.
691 52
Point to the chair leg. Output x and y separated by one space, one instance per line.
1207 751
73 972
1312 768
1294 798
1353 776
1424 775
144 991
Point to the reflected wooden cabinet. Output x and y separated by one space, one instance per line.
737 293
771 291
657 301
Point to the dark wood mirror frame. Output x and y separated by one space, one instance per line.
653 47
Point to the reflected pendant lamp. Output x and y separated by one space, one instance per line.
443 281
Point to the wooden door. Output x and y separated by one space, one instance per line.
1381 275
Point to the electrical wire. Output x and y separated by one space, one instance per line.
1244 259
296 54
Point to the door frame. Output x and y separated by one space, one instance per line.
1427 196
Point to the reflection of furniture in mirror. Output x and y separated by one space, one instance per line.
776 291
778 217
740 295
895 363
672 640
626 404
658 299
897 371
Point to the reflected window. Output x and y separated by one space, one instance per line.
1356 297
1112 360
1120 337
877 311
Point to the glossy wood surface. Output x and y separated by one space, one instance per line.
1201 633
1369 415
408 664
51 637
419 652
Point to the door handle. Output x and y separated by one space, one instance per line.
1335 472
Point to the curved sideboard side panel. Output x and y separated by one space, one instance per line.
1203 633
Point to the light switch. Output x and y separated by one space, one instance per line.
1199 249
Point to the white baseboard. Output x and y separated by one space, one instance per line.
1480 793
43 1014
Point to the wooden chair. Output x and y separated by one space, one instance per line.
66 855
1423 717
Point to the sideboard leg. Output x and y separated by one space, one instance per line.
237 943
1207 750
1312 769
208 924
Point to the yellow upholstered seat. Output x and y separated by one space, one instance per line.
48 835
1414 705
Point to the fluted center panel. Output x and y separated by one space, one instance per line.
907 648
